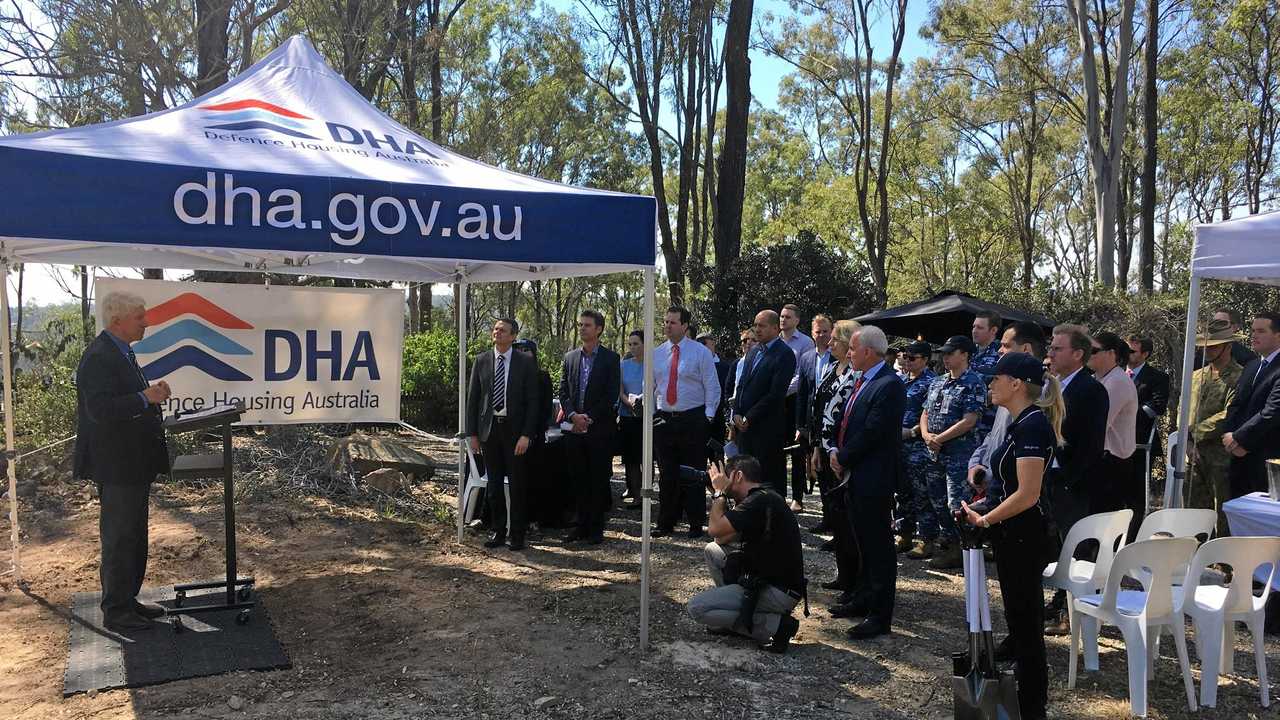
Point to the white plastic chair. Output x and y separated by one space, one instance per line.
476 484
1215 609
1082 577
1179 523
1136 612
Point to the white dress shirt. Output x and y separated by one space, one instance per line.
697 384
506 379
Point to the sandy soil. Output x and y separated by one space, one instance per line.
386 617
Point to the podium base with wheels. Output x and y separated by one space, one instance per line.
239 590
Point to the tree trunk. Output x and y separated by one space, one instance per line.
86 320
732 172
212 20
1147 256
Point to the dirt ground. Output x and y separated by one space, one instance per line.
385 617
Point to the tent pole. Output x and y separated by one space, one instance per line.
11 450
1173 485
462 403
646 458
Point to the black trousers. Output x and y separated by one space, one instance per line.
871 517
799 480
589 461
122 527
501 461
681 440
835 504
765 445
1019 548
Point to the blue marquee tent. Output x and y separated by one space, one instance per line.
287 169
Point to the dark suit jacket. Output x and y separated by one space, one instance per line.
1253 417
1084 430
600 401
873 437
1153 392
762 393
521 396
119 439
808 364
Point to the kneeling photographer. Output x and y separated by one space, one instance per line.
1013 521
757 586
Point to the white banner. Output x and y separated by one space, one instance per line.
291 355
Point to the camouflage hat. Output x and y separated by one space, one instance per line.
1218 333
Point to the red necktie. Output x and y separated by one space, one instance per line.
848 410
672 374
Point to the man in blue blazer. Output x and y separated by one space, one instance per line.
1253 417
590 382
868 450
759 411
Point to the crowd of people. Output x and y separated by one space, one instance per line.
1008 428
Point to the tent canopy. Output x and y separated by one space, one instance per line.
288 169
943 315
1246 250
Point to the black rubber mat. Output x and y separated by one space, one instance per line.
211 643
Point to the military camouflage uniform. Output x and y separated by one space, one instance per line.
948 401
1211 393
921 517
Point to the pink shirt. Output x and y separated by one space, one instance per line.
1123 414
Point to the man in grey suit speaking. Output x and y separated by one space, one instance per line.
502 416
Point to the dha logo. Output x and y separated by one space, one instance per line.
192 330
256 115
253 114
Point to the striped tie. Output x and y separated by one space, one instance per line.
500 384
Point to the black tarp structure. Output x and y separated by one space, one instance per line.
948 313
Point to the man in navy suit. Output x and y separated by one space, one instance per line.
869 444
590 383
120 445
1072 480
1253 417
760 405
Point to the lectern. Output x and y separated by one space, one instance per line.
239 590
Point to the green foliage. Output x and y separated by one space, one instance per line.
45 406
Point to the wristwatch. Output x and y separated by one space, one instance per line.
717 494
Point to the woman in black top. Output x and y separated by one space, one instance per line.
1034 401
832 392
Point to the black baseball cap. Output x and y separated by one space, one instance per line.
919 347
958 342
526 345
1020 366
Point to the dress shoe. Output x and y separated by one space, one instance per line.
661 532
846 597
148 609
696 532
127 622
948 557
828 546
787 627
496 540
867 629
516 542
850 609
837 584
923 550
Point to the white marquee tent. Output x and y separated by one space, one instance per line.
287 169
1243 250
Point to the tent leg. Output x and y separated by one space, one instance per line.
462 405
1173 485
9 446
646 458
